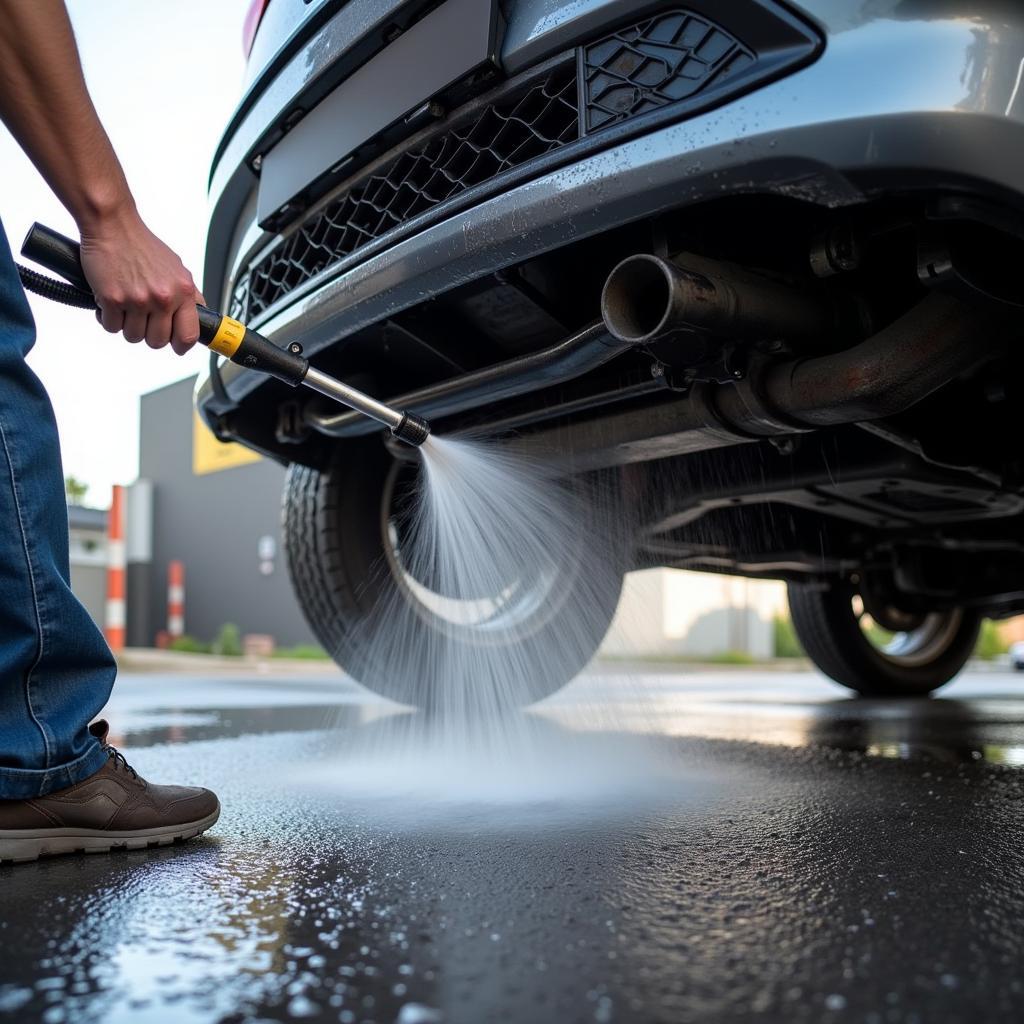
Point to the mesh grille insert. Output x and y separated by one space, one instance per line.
663 59
512 130
673 57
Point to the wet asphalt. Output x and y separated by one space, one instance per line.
719 846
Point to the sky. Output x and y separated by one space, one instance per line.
165 78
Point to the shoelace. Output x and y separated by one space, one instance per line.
118 758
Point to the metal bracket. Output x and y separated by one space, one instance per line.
291 425
727 363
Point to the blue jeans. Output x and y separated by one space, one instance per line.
56 670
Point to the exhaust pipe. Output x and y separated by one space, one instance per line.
647 297
644 298
937 340
931 344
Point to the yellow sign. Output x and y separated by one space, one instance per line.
210 455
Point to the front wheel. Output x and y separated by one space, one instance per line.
403 630
903 655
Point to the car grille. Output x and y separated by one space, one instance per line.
501 135
661 60
673 57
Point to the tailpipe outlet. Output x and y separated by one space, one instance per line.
647 297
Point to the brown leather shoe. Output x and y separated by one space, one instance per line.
112 808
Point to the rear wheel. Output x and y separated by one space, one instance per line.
891 653
411 640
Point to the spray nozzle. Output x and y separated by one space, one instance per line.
411 429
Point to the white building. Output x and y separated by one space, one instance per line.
666 612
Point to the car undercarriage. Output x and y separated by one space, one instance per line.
813 397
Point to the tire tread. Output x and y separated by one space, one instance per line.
827 629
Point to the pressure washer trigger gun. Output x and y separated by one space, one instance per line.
221 334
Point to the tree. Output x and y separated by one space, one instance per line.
75 490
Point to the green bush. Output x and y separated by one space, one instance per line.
990 644
305 651
786 643
188 645
228 641
731 658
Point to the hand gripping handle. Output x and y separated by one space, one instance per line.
222 334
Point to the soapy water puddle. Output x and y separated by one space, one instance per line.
401 768
406 772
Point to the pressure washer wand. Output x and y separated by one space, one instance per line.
222 334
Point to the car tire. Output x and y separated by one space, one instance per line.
336 532
829 627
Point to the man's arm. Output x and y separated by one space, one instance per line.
141 287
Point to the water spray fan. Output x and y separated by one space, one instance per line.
221 334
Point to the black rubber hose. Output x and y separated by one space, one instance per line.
58 291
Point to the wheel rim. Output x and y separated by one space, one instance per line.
522 607
923 643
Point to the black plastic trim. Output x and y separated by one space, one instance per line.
805 46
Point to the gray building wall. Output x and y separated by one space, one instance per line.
87 551
89 584
213 523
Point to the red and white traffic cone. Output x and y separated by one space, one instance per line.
114 620
175 599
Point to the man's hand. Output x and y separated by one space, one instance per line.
141 286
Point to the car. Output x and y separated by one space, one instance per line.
753 267
1016 653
